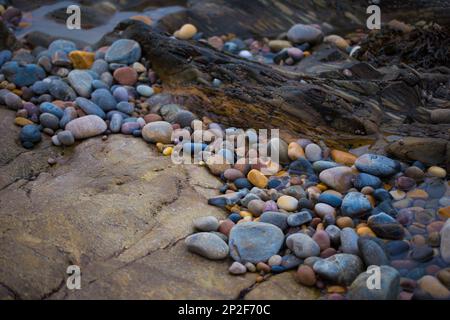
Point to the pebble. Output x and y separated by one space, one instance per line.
302 245
287 203
377 165
86 127
126 76
323 209
257 178
104 99
125 107
22 76
313 152
301 33
445 241
415 173
306 276
158 131
90 107
123 51
274 260
81 82
322 239
21 121
331 198
13 101
129 127
355 204
49 120
432 286
372 253
422 253
295 151
82 59
343 157
299 218
339 178
66 138
61 90
207 245
30 135
100 66
248 241
386 227
366 180
405 183
237 268
341 268
389 286
444 277
226 226
278 219
184 118
349 241
186 32
144 90
437 172
232 174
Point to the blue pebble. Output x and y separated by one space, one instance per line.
231 47
235 217
302 166
22 76
47 107
137 133
109 114
61 45
382 194
116 122
90 107
355 204
278 269
377 165
321 165
120 93
104 99
193 148
29 135
98 84
123 51
40 87
367 180
397 247
5 56
242 183
125 107
330 199
273 183
129 119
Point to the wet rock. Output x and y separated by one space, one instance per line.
341 268
90 107
377 165
355 204
255 241
389 286
386 227
302 245
206 224
278 219
123 51
430 151
86 127
81 82
339 178
349 241
22 76
207 245
159 131
372 253
301 33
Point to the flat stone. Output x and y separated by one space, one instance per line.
207 245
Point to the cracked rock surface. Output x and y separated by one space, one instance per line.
120 211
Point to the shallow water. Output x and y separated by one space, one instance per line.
41 23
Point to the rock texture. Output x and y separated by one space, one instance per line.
113 208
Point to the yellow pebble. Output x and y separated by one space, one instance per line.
322 187
257 179
21 121
343 157
82 59
18 92
438 172
365 231
417 194
444 212
160 146
244 214
336 289
295 151
168 151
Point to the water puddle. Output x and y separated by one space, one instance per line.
40 22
